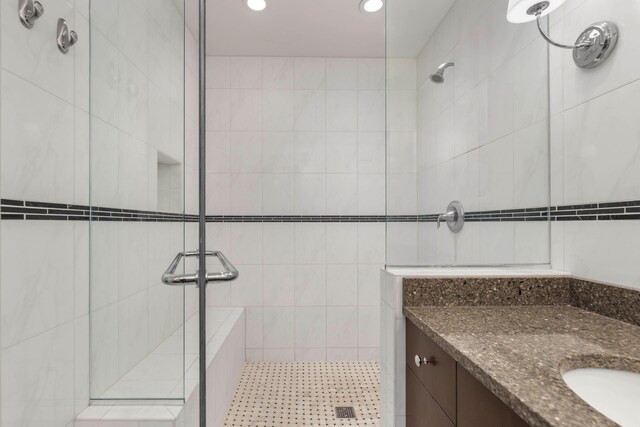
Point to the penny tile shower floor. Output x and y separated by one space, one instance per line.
306 394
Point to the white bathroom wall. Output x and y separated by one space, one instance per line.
594 143
305 137
44 325
483 136
295 136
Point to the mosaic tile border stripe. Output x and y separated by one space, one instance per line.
30 210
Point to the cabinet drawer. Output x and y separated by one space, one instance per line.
438 375
479 407
422 410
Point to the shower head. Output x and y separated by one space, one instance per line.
438 75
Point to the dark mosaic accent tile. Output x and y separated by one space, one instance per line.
12 202
46 205
64 212
619 217
577 218
24 210
576 207
541 218
626 210
600 211
619 204
12 216
46 217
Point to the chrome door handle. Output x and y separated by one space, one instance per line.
170 278
419 361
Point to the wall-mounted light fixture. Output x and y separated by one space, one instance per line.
371 6
591 49
256 5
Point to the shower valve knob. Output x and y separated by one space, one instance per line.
29 11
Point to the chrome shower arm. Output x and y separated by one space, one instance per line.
551 42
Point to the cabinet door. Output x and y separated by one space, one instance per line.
422 410
479 407
438 375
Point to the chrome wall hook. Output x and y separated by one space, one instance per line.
29 11
65 38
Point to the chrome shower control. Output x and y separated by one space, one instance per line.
419 361
29 11
454 217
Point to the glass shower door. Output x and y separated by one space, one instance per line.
468 121
140 347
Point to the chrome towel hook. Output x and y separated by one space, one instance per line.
29 11
65 38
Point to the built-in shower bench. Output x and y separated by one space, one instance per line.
225 360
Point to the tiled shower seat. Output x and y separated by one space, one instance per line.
160 374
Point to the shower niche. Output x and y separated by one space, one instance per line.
170 184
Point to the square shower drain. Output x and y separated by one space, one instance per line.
345 412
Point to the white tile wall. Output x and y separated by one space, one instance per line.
316 147
44 276
299 283
392 354
594 144
317 143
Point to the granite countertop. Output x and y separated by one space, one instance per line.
520 351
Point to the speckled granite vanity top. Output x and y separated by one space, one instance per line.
517 336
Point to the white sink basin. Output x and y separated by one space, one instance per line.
613 393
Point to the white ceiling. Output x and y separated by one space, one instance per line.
332 28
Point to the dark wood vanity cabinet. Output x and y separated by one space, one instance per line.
441 393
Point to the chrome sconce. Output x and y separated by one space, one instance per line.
29 11
592 47
65 38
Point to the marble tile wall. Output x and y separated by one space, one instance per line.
594 144
306 136
44 322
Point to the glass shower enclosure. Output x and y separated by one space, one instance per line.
468 122
144 334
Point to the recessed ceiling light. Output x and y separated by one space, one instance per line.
371 5
256 5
